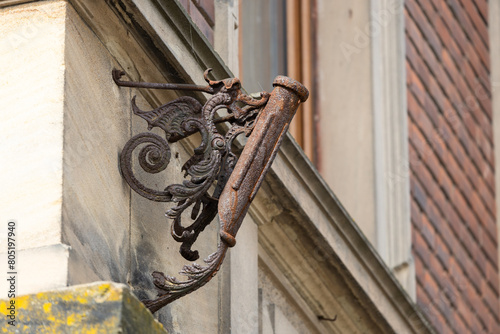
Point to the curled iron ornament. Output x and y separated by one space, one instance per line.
264 121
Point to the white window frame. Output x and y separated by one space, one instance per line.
392 186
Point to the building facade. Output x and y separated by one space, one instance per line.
377 216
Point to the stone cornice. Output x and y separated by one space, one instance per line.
307 220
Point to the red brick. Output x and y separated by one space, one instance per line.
428 308
458 324
416 215
478 306
419 195
457 248
480 260
442 253
428 233
420 246
419 265
448 35
463 19
491 251
485 213
455 272
441 301
436 318
482 6
491 299
415 85
491 228
465 94
476 19
458 275
430 35
475 277
459 36
477 326
424 124
424 303
444 230
464 161
430 286
495 327
453 207
492 277
457 199
416 111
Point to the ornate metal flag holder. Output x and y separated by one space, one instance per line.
264 121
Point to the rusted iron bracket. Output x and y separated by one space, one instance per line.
264 121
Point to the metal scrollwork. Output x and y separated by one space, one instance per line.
212 163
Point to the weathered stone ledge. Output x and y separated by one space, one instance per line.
101 307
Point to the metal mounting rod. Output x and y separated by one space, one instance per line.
117 74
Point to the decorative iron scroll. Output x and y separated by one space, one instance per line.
264 121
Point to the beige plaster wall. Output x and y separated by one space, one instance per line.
31 91
345 123
32 65
96 203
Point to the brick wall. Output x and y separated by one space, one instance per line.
452 164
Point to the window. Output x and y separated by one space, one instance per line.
276 39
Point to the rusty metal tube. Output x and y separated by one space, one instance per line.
258 154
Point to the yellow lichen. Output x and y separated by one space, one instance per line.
47 307
22 302
70 319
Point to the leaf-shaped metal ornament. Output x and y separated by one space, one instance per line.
264 121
